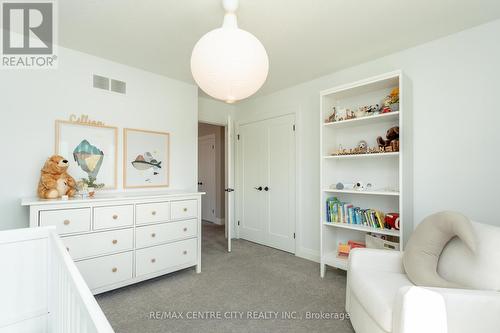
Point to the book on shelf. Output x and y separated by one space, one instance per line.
345 212
344 249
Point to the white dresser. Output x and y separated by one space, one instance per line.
120 239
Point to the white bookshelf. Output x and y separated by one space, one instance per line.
380 118
391 182
381 192
363 228
358 156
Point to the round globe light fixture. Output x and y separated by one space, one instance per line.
228 63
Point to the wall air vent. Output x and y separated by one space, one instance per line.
118 86
101 82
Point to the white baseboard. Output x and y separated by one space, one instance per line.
308 254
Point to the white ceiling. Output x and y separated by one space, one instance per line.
305 39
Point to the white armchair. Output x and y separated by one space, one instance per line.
381 299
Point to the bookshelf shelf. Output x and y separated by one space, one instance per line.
388 232
387 193
386 170
332 259
356 156
377 119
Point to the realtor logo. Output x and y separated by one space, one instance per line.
28 35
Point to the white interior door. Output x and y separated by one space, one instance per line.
229 182
267 182
206 176
280 186
253 167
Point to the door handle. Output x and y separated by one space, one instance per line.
258 188
266 188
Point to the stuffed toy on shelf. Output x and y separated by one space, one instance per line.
55 182
391 143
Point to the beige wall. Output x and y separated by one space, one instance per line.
218 131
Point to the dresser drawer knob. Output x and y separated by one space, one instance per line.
185 229
66 222
114 270
153 212
185 209
114 241
153 260
115 217
153 235
184 252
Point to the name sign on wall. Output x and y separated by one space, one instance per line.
85 120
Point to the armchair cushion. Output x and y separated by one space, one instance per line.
374 277
440 310
377 260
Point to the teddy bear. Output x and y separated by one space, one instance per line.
54 180
391 144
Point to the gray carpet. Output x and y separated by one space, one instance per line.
251 278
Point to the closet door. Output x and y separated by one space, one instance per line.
280 193
253 167
267 182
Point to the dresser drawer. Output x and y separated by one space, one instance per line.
157 258
99 243
153 212
113 217
161 233
183 209
107 270
66 220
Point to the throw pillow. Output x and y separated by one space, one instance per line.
427 242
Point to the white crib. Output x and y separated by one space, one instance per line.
41 290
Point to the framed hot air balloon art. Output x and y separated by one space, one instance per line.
146 158
91 150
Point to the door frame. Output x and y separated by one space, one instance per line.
238 171
230 138
211 138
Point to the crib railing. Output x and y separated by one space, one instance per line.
41 290
72 307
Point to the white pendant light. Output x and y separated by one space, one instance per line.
228 63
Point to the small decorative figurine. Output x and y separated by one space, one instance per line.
332 117
360 113
359 186
394 102
391 102
342 114
362 145
371 110
350 114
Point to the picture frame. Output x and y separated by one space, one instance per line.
91 149
146 158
